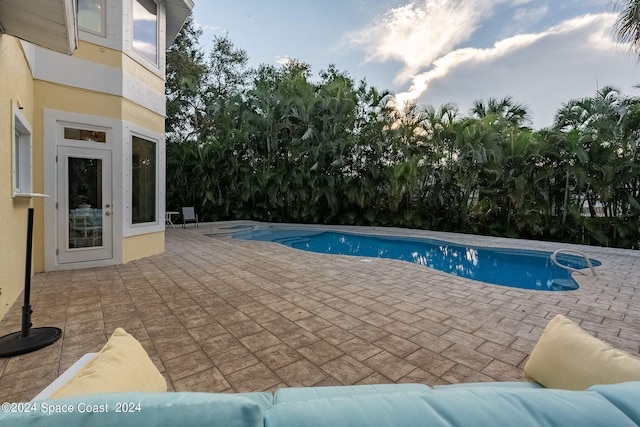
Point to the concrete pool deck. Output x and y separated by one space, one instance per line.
225 315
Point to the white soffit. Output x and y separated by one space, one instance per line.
47 23
177 12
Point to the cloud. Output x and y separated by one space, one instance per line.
535 50
543 70
418 33
469 56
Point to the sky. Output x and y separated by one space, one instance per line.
542 53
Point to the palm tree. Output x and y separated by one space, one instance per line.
600 113
506 108
627 27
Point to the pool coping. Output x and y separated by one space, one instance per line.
585 280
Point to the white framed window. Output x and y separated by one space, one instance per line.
85 134
144 180
92 16
146 30
22 151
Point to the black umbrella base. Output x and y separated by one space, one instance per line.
15 344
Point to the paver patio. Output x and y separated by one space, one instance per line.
224 315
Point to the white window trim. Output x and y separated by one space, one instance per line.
130 229
159 68
112 26
22 161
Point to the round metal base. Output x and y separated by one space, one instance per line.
15 344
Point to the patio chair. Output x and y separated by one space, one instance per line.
85 227
189 215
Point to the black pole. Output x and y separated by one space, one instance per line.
28 340
26 307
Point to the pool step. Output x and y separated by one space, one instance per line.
563 284
291 241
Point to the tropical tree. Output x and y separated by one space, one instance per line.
278 144
186 72
602 143
505 108
627 26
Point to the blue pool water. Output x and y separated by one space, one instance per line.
516 268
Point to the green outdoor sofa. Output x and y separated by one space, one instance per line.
575 380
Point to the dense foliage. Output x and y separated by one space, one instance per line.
273 144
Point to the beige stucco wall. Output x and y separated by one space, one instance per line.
142 74
142 246
65 98
15 83
99 54
134 113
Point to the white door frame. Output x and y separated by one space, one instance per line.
54 123
84 234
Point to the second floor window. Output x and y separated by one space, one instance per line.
91 16
145 29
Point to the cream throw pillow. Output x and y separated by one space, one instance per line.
122 365
569 358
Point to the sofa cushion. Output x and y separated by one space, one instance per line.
121 365
143 409
477 406
264 399
567 357
297 394
501 384
624 396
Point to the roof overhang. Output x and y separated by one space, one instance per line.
177 13
47 23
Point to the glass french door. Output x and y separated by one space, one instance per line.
84 205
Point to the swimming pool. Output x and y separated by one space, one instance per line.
517 268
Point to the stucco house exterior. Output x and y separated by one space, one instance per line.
82 111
